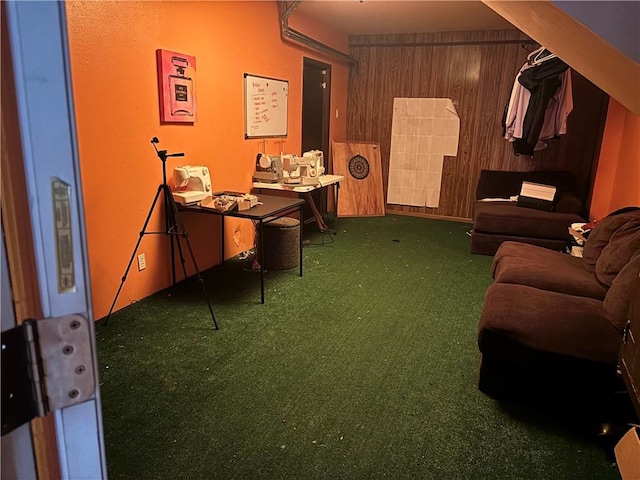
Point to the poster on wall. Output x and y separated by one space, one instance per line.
176 85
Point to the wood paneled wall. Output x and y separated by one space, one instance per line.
478 76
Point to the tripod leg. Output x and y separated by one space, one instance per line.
171 229
168 228
176 237
183 232
133 255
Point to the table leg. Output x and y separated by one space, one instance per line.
261 260
222 239
325 213
309 199
337 192
300 236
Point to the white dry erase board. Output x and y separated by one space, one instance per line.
265 107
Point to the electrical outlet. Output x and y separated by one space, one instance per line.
142 262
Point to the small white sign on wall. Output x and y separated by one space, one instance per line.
423 131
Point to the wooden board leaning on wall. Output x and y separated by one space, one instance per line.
361 194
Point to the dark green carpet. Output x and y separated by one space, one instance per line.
366 367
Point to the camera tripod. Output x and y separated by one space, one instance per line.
173 227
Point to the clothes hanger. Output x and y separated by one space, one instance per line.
540 56
533 53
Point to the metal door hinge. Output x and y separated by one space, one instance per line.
46 365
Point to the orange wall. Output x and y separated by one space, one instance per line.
113 65
617 182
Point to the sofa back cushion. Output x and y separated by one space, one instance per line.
566 202
502 184
618 299
623 244
601 234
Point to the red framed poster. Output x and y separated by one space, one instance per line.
176 85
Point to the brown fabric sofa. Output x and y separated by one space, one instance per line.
553 322
495 222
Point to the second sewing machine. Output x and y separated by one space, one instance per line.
289 168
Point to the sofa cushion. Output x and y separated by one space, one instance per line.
505 218
549 270
623 244
488 243
547 321
517 249
601 233
623 288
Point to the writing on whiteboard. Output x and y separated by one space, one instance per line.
260 104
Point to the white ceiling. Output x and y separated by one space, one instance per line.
363 17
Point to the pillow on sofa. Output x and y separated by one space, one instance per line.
566 202
623 288
600 235
623 244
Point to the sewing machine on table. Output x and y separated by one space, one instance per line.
193 184
290 169
301 175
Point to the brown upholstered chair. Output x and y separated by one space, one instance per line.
495 222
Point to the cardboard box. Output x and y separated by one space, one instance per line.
246 201
627 453
226 201
222 204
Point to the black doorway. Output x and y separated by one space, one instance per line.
316 95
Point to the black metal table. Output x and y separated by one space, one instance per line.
269 209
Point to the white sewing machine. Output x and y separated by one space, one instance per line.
289 168
268 169
303 170
193 183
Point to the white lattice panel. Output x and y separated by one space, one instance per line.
423 131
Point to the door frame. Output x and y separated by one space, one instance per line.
326 105
71 443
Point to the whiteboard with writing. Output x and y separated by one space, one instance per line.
265 107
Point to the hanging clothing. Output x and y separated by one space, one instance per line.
534 118
558 110
540 101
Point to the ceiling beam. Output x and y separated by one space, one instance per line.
576 45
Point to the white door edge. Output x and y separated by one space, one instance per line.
40 54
